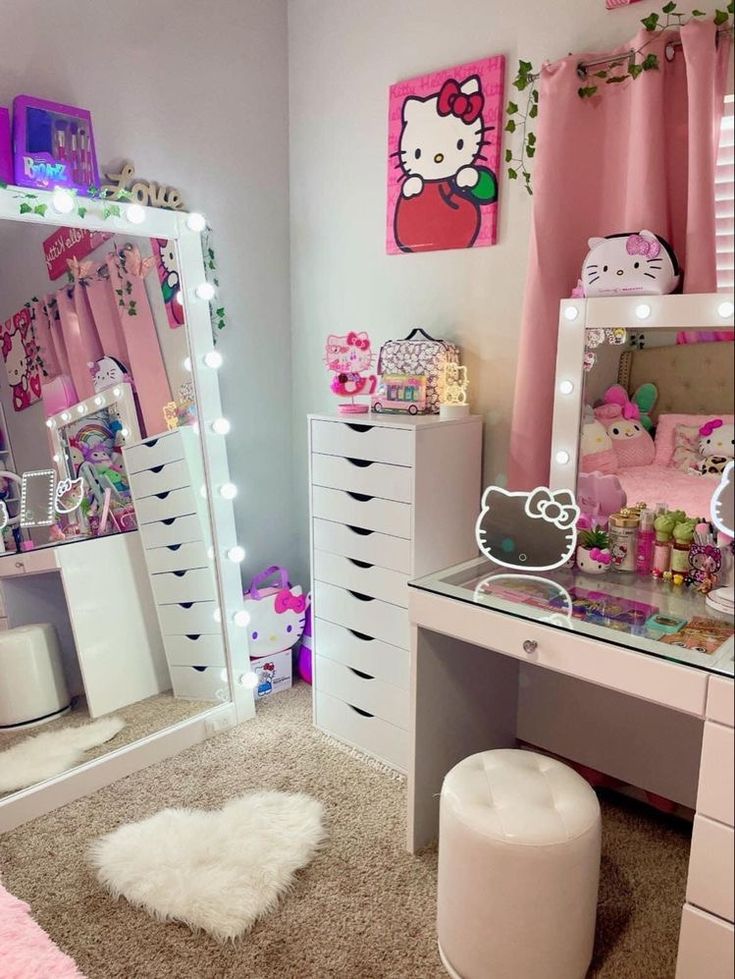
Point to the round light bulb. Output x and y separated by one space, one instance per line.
180 298
241 618
217 615
210 553
562 457
196 222
221 426
50 423
81 409
726 310
66 416
124 432
195 428
643 311
62 201
248 680
205 291
236 554
228 491
571 313
213 359
566 387
135 213
187 364
57 458
99 400
203 491
117 392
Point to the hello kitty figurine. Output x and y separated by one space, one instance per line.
716 446
439 152
349 357
107 372
277 614
638 263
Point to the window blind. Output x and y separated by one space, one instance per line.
725 200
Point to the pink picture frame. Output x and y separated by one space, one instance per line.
444 145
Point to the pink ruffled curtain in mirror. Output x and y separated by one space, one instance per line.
105 313
637 155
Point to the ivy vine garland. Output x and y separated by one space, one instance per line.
631 65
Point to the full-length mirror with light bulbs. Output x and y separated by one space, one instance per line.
120 606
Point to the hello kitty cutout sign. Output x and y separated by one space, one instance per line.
20 354
444 135
349 358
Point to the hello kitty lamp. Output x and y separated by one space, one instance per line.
453 399
534 531
350 358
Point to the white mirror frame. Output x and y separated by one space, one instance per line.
705 311
175 226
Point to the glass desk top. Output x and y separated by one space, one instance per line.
649 616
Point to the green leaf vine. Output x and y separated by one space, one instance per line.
217 312
520 115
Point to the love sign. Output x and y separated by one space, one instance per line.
145 192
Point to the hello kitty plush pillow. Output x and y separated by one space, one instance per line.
639 263
666 426
277 614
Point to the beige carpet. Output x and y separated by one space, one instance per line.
142 718
364 909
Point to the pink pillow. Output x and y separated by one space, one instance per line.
665 432
686 454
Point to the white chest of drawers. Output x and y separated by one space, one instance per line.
167 483
392 498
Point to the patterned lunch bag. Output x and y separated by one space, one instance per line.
419 353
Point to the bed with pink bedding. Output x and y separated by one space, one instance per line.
661 484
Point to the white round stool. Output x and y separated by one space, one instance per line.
519 867
32 685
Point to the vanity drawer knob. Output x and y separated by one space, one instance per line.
530 646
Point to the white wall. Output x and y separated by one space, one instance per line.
343 56
197 96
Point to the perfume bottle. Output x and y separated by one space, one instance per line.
646 543
664 524
623 533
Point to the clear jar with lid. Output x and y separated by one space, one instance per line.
623 534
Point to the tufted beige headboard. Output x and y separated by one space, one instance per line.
692 378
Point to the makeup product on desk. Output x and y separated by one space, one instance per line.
664 524
53 145
683 537
662 624
623 534
646 543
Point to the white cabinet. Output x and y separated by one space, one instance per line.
392 498
168 487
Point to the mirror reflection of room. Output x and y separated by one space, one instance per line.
107 586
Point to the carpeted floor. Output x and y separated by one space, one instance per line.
142 718
364 909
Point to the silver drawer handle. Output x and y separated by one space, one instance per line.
530 646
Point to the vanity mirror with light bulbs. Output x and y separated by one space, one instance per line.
120 593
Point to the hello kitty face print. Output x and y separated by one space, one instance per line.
716 446
276 621
107 372
19 350
349 353
637 263
444 154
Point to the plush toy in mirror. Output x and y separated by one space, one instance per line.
632 444
716 446
639 263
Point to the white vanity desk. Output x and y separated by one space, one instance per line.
96 593
473 664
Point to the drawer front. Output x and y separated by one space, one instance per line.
367 512
200 684
174 531
178 557
711 880
370 734
720 700
705 947
11 565
154 452
174 587
361 652
372 617
375 696
195 650
390 586
175 475
363 545
372 442
716 797
176 503
359 476
188 620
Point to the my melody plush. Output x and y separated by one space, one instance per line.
595 446
632 444
632 263
716 446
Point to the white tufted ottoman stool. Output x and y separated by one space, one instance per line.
519 866
32 685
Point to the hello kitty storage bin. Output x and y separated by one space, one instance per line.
277 618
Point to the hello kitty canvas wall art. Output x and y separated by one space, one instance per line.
20 353
444 136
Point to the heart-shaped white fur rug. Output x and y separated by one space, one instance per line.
217 870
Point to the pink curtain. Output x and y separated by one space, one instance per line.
637 155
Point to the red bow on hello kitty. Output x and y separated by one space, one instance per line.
709 427
453 101
285 600
355 340
602 557
638 245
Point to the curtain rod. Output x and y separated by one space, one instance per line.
670 50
